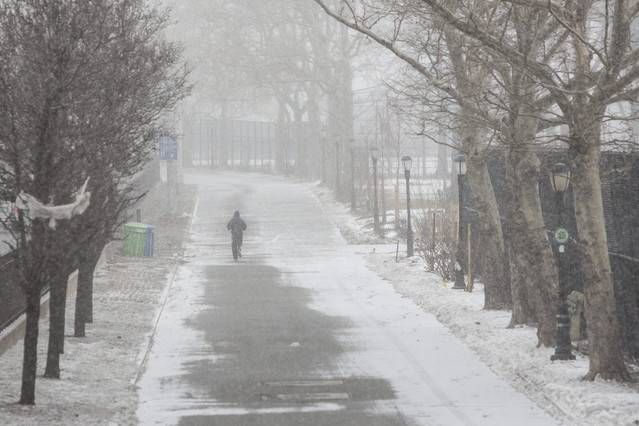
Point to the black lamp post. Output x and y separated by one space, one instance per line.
560 179
407 162
375 204
460 284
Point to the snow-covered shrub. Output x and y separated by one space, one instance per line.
435 242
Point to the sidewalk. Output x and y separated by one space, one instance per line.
98 372
511 353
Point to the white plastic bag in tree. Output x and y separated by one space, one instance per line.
37 210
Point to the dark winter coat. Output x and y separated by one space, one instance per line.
237 226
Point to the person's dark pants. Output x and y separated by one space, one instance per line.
236 246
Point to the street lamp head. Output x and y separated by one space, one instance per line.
407 162
560 177
460 159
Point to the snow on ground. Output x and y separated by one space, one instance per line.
411 367
354 229
98 372
511 353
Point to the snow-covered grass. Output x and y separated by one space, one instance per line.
97 372
355 229
511 353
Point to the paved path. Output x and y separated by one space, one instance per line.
300 332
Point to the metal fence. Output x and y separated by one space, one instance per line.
229 143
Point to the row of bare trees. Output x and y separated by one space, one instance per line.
277 60
84 85
520 75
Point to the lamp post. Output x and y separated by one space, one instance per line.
460 284
375 205
407 162
560 179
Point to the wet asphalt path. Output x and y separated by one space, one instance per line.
299 332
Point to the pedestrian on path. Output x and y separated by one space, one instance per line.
237 226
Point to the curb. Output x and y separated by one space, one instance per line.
143 355
146 349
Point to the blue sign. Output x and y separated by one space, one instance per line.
168 148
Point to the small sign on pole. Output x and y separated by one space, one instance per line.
561 235
168 148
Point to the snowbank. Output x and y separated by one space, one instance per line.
511 353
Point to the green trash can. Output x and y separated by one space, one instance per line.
135 239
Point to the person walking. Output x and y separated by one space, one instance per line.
237 226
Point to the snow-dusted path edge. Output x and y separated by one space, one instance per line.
511 353
98 372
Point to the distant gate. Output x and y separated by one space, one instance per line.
229 143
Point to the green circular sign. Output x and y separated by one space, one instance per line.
561 235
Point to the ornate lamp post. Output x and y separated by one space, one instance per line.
407 162
375 204
560 179
460 284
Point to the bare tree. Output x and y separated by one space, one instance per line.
57 60
385 24
598 68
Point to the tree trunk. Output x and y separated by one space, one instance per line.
84 296
301 165
88 318
315 168
522 312
382 188
85 276
57 308
533 271
604 333
396 193
30 359
494 275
